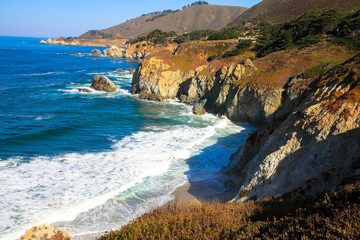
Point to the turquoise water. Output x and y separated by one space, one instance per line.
91 162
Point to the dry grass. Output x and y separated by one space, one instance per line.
334 215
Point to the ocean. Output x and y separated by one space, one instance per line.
91 162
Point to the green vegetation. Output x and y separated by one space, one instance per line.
309 29
194 35
212 57
157 37
349 34
224 34
240 49
195 4
317 70
334 215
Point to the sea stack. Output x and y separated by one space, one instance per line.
96 52
103 83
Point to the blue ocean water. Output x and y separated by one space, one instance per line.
90 162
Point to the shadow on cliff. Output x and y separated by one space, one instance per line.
205 177
317 166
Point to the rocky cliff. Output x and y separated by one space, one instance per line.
105 42
308 139
238 88
309 148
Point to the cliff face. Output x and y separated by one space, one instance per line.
309 137
309 148
237 87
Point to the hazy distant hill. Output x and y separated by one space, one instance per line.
192 18
283 10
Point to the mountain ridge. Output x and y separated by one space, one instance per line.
283 10
192 18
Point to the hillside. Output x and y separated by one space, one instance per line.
192 18
283 10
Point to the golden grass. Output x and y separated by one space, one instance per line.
334 215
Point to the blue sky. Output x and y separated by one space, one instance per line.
53 18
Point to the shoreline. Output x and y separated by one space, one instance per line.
194 192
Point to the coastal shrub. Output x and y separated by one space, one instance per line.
192 36
156 36
333 215
212 57
349 31
240 49
224 34
317 70
303 31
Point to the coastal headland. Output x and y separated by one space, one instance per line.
299 87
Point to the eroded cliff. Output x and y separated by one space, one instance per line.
238 88
308 139
309 148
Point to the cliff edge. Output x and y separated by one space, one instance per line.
308 139
308 148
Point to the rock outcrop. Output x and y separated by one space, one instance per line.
240 89
46 232
103 83
308 148
131 70
309 137
114 52
199 109
96 52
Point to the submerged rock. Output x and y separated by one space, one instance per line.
96 52
84 90
46 231
103 83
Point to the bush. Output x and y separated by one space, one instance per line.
240 49
157 36
349 34
212 57
181 39
316 70
303 31
224 35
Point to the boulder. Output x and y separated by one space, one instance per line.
120 70
43 42
96 52
84 90
131 70
199 109
103 83
114 52
248 63
46 231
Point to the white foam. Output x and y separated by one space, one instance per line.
46 117
42 74
59 188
